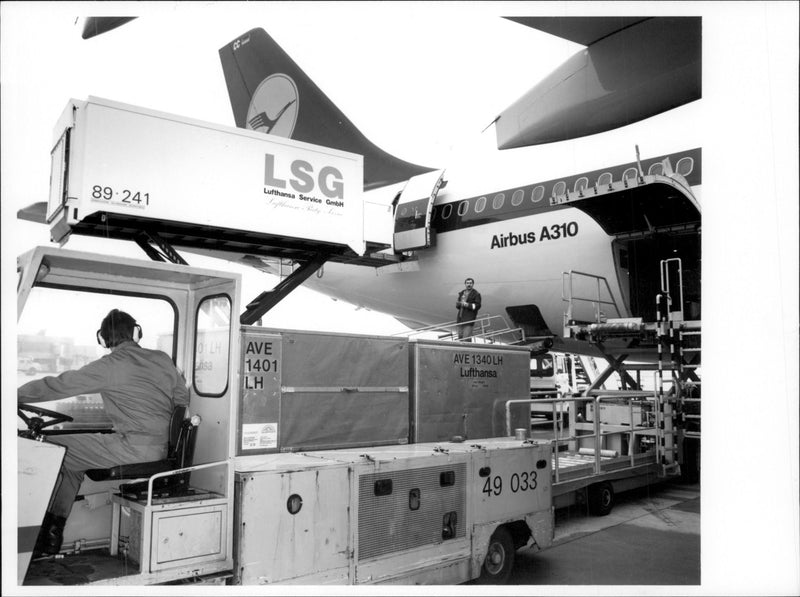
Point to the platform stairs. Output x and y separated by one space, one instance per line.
629 345
680 358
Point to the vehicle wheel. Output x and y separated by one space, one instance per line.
31 371
499 561
690 467
601 498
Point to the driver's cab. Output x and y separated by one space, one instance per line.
189 313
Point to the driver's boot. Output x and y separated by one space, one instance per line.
50 536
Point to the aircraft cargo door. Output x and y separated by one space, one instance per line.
412 217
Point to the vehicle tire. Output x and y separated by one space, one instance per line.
499 561
601 498
690 467
31 371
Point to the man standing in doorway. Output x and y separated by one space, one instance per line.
468 304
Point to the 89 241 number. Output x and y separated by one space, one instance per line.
124 196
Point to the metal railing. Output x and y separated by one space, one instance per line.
180 471
675 314
483 330
541 397
600 429
568 296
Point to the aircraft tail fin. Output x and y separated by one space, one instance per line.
271 94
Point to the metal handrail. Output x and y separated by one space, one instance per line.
554 442
599 433
482 322
598 301
632 429
665 264
556 421
179 471
488 335
437 326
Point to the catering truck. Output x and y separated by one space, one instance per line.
303 457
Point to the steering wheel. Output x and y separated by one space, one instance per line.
36 424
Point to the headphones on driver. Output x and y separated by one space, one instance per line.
117 318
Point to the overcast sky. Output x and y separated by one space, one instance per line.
422 80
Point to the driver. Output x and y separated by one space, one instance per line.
139 387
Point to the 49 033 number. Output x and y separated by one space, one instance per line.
518 482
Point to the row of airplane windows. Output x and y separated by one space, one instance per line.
684 167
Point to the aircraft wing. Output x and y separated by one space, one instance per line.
98 25
581 30
36 212
632 68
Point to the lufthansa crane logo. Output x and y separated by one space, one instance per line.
273 108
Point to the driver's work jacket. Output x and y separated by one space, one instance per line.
140 387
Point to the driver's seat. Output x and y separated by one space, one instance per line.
180 452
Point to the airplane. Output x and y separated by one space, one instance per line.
561 205
565 189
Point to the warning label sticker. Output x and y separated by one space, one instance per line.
259 436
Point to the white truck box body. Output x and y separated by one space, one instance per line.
153 166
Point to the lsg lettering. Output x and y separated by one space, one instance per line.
329 179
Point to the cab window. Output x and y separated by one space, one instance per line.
212 346
57 332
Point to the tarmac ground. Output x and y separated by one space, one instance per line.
651 537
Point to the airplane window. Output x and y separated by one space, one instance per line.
480 204
447 210
538 194
629 173
463 207
559 188
605 179
685 166
581 184
517 197
657 168
498 201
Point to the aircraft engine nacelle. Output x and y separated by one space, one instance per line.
636 72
